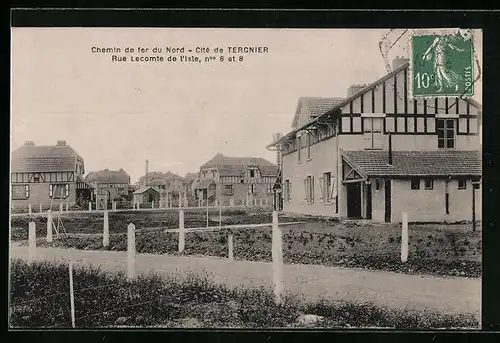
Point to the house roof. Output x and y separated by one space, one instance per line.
236 166
44 158
416 163
144 189
315 105
346 101
203 184
108 176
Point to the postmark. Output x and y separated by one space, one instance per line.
442 65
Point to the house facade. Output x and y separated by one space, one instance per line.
379 153
47 175
237 180
113 184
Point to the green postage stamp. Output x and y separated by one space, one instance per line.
442 65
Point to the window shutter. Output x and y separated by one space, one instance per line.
321 183
312 188
333 188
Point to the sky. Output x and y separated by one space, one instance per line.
179 115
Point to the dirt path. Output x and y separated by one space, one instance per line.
447 295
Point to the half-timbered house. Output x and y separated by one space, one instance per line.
46 175
379 153
245 180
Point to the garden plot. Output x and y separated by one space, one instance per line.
445 250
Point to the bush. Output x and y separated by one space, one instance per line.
39 298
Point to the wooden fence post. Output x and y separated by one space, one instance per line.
49 226
404 237
32 241
67 206
277 255
230 247
71 294
29 208
114 205
41 208
60 207
105 234
182 231
90 206
131 251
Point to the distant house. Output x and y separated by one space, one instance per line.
243 179
112 183
47 174
168 185
146 195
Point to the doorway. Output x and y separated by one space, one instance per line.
387 187
354 200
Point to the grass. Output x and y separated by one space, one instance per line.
39 298
436 249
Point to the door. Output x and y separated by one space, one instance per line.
368 201
387 187
354 200
151 197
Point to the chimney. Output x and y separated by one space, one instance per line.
61 143
398 61
390 149
277 137
29 143
353 89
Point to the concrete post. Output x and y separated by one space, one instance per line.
114 205
49 226
277 255
230 247
131 251
404 238
153 204
67 206
231 202
29 208
41 208
32 241
182 231
90 207
60 207
105 234
261 203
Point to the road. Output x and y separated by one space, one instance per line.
395 290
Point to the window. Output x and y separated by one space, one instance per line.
269 189
446 133
429 184
327 187
20 191
462 184
299 146
287 190
228 190
373 132
415 183
309 189
308 136
58 191
377 184
251 189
